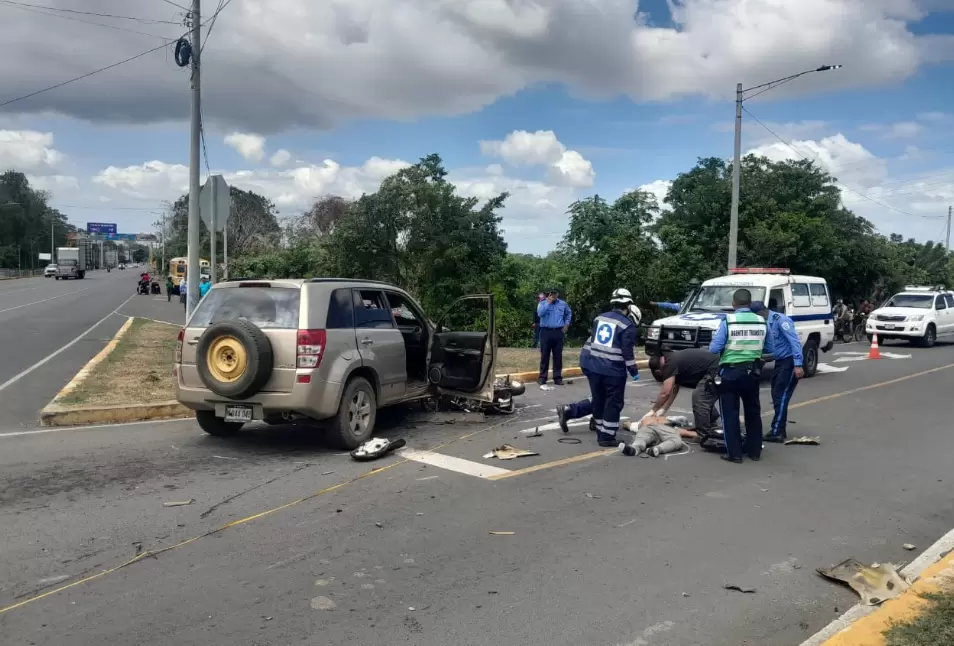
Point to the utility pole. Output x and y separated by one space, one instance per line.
192 275
736 177
53 240
947 237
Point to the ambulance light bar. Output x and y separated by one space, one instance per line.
760 270
923 288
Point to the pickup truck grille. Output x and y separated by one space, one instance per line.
887 317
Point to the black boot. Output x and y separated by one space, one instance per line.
593 425
606 440
562 411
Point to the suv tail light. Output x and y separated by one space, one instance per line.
179 345
311 347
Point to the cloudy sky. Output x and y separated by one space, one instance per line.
548 99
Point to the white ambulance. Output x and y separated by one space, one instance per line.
804 299
918 314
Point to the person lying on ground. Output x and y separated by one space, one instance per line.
654 437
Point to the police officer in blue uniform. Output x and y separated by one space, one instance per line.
740 342
610 359
783 343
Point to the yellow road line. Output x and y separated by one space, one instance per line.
810 402
234 523
85 371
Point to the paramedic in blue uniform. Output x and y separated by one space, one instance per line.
782 343
580 409
555 317
610 359
740 342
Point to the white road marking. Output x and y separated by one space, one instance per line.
12 380
824 368
554 426
929 557
449 462
12 291
843 359
52 298
60 429
863 356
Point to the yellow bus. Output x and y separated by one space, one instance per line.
179 266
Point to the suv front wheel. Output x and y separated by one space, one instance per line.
357 412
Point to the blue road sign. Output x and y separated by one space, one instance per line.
101 228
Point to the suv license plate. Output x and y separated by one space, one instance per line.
889 327
238 413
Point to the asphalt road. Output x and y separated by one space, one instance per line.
321 550
49 329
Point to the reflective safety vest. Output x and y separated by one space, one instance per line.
610 347
746 338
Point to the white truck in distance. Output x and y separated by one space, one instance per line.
803 298
919 315
72 262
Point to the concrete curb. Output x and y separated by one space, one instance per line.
56 414
642 364
864 625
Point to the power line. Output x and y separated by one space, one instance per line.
843 186
84 76
43 12
176 5
146 21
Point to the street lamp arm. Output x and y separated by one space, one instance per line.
773 84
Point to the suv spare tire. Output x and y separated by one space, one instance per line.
234 359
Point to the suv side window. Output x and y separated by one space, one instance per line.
939 303
404 313
778 296
800 297
949 300
340 310
819 293
371 310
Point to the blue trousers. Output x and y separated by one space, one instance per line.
607 401
551 343
740 386
580 409
783 386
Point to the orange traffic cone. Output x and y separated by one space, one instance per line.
873 351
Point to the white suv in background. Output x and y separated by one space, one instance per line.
918 314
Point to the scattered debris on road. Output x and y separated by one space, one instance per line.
502 533
803 439
323 603
744 589
536 432
545 387
508 452
875 584
909 546
375 448
589 495
569 440
178 503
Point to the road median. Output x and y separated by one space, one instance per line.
131 379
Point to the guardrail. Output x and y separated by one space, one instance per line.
19 273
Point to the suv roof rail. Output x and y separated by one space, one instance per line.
347 280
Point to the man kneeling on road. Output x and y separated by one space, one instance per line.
654 437
694 368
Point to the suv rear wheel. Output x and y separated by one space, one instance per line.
357 412
216 426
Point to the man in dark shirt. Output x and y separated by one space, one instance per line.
692 368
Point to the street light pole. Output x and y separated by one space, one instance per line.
737 156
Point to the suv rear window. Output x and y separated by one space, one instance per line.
266 307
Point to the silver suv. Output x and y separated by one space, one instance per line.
327 349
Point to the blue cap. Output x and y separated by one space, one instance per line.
757 306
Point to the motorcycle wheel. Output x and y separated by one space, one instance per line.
859 333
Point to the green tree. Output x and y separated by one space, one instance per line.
26 223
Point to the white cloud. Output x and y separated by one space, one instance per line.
152 180
280 158
29 151
658 189
376 58
250 146
902 130
542 148
934 117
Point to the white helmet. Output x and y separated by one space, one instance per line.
621 296
634 314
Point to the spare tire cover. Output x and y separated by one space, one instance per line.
234 359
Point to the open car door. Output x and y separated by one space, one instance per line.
463 350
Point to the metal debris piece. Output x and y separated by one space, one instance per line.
589 495
379 525
804 439
178 503
536 432
546 387
375 448
502 533
909 546
744 589
508 452
874 583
